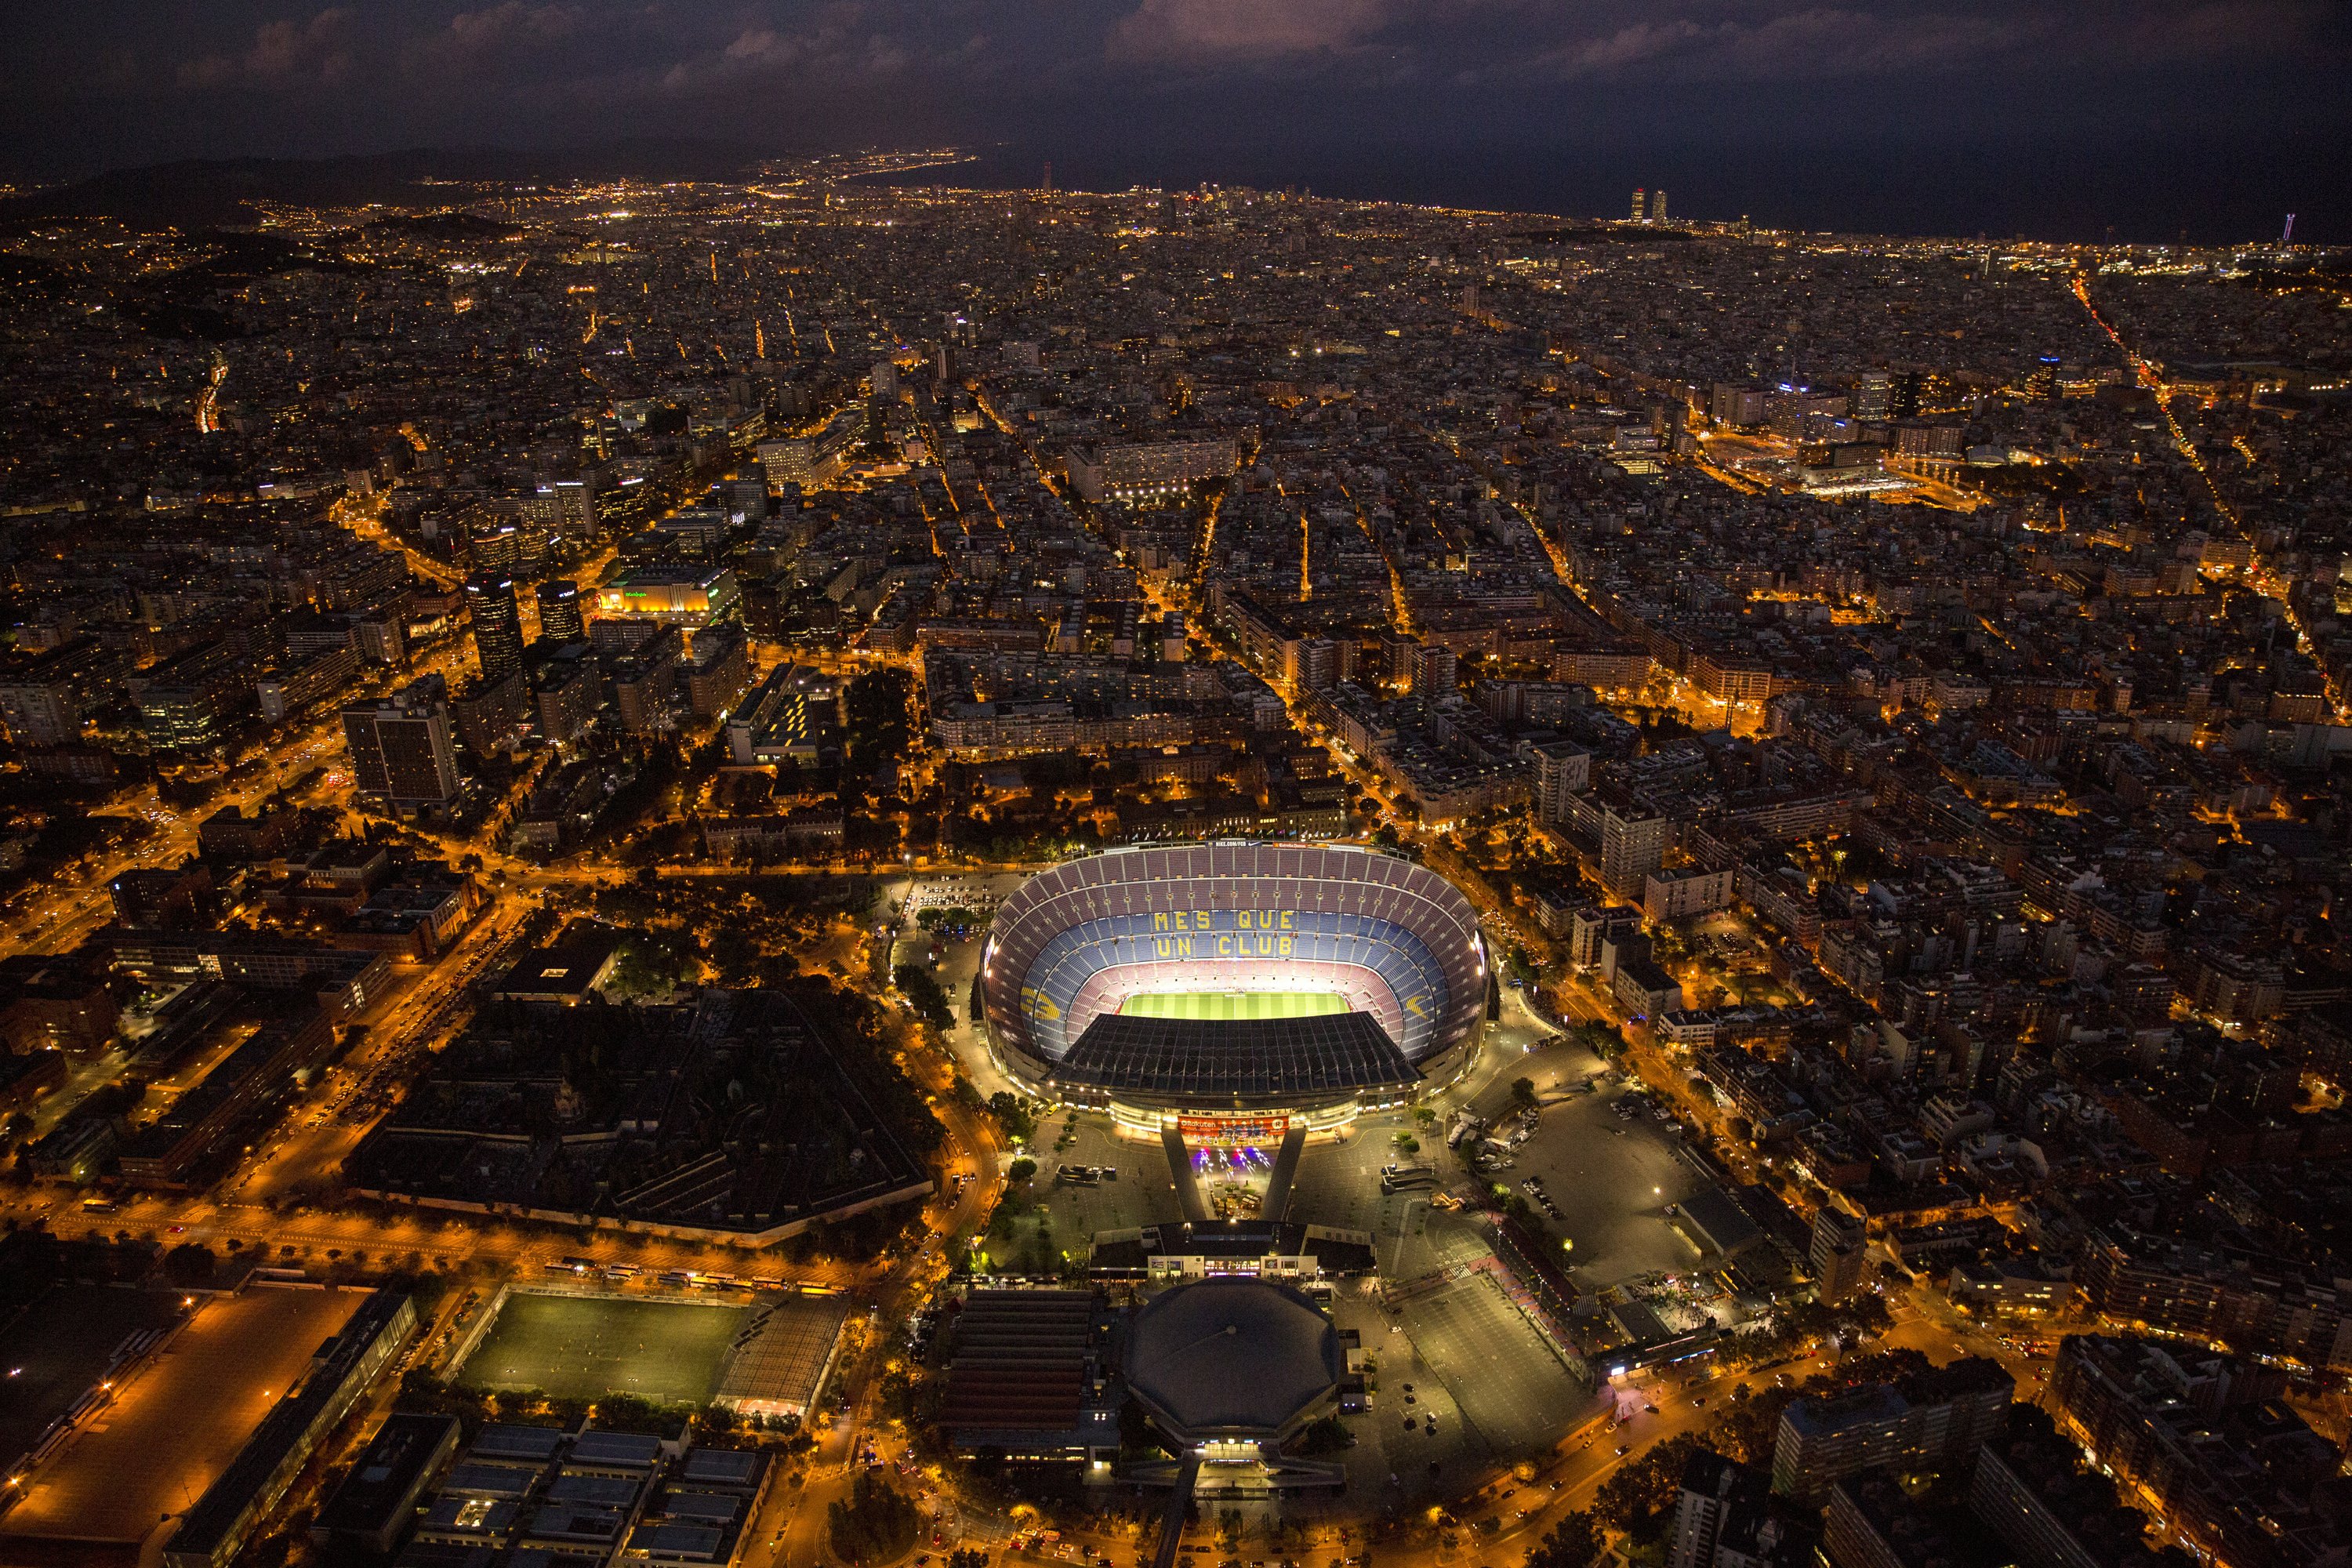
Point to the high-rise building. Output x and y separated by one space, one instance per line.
1436 670
1732 403
1840 1253
2033 1487
1874 395
886 379
1312 664
1637 203
1934 1419
1563 768
1727 1518
402 750
1713 1488
498 623
1658 205
1633 836
560 619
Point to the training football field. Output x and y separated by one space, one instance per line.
1223 1007
576 1347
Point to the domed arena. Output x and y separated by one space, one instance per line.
1312 979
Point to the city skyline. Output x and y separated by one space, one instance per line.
2210 117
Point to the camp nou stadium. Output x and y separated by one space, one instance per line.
1235 989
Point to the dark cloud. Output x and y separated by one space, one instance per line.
1357 92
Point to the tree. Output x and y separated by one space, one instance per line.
1644 1485
1573 1543
1012 1116
931 1003
190 1263
967 1557
1523 1093
876 1524
1021 1170
651 962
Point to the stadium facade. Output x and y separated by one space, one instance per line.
1291 983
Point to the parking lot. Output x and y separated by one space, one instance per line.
175 1424
1511 1390
1608 1176
1140 1194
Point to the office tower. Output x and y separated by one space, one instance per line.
886 379
558 612
1874 395
1048 187
1637 203
1658 205
569 507
498 623
401 751
1840 1255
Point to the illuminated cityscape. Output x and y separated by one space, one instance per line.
859 864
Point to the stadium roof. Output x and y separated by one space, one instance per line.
1392 938
1260 1061
1232 1358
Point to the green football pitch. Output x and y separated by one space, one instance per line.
1217 1006
578 1347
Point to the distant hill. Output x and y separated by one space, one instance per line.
213 193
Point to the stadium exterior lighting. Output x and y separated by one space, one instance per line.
1287 982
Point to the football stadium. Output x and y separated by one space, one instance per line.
1220 988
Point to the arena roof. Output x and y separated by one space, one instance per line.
1232 1358
1261 1061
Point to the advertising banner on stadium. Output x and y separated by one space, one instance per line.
1233 1129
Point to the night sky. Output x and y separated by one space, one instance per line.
2055 119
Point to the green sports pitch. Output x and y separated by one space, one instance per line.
1224 1007
583 1347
